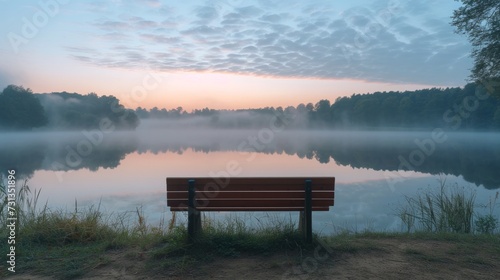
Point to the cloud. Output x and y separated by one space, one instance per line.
249 12
271 18
203 30
206 14
380 41
159 39
151 3
113 25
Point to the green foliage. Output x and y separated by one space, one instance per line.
447 108
480 20
486 224
227 238
67 244
449 210
20 109
427 108
421 109
74 111
232 236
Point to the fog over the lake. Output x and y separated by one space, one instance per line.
471 155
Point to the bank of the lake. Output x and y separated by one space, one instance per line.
260 256
87 244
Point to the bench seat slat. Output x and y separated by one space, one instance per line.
243 201
251 203
256 209
249 187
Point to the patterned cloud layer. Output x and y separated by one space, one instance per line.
383 41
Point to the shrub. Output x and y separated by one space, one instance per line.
486 224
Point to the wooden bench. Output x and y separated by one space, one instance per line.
304 194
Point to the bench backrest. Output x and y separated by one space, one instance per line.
250 194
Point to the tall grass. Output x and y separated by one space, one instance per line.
41 225
26 204
69 243
229 237
488 223
450 209
272 231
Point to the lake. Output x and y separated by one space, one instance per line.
123 171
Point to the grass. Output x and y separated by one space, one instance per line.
228 238
69 244
450 209
65 243
470 250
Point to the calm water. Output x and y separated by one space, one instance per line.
373 170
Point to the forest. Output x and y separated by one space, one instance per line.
467 108
21 109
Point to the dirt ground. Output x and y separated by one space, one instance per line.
390 259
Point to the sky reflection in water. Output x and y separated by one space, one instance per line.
128 170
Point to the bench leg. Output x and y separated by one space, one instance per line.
194 224
304 228
194 218
302 224
307 223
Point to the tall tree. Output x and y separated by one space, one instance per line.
480 20
20 109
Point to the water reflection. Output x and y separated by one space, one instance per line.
358 206
475 156
62 151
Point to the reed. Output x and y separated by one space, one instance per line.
450 209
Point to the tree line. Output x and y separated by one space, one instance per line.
21 109
467 108
471 108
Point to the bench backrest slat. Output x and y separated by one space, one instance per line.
250 194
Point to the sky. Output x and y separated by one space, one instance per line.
230 54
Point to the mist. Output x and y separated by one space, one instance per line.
241 119
471 155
